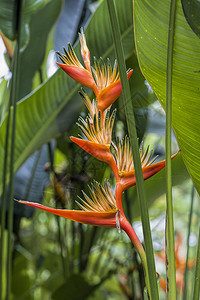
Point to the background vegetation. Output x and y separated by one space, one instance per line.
53 258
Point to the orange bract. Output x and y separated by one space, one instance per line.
105 83
99 209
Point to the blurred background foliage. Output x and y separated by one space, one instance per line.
55 258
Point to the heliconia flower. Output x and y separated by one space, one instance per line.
125 165
108 83
97 129
72 66
99 209
91 106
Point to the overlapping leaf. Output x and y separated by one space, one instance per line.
151 22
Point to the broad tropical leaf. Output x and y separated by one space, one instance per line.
151 21
32 56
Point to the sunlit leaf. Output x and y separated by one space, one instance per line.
151 35
32 56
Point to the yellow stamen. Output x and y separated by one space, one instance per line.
101 199
70 58
104 74
96 129
124 158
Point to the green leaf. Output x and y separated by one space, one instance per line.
191 10
32 56
8 15
21 283
75 288
151 20
54 106
4 99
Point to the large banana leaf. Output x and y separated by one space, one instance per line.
151 19
45 113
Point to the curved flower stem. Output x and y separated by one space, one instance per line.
126 226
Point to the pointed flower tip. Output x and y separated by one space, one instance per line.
84 50
72 66
99 212
129 73
174 155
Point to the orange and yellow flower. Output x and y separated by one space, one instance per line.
108 83
99 209
102 78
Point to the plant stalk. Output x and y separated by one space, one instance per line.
14 93
3 201
126 226
170 253
134 147
188 246
197 273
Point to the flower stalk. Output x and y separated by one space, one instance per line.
170 254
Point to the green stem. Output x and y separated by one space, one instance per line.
170 254
126 226
197 273
188 238
135 148
3 202
14 93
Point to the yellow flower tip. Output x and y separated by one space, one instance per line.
108 83
124 158
84 50
97 128
101 199
92 107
